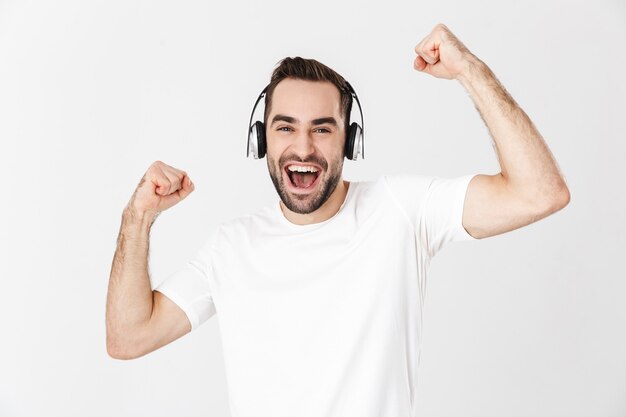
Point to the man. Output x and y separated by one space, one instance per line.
320 296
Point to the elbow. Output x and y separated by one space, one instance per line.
561 199
118 349
547 203
553 203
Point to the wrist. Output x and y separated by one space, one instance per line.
141 217
474 70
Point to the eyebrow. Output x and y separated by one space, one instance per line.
315 122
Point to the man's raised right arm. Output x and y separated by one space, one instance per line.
138 319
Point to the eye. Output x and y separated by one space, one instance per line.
283 127
324 129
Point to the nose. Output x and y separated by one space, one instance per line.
303 144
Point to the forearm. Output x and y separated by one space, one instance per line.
129 300
525 160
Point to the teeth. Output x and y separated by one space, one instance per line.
301 168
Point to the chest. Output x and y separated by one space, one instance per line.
361 259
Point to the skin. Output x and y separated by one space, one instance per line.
530 185
302 141
139 320
528 188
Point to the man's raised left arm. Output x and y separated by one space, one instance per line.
529 186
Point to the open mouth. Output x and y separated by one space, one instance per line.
302 177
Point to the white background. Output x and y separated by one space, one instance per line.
528 323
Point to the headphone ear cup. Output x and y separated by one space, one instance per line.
349 149
259 127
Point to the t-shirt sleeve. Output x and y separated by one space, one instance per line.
190 288
434 205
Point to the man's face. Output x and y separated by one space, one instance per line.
305 132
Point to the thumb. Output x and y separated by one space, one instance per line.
419 64
187 188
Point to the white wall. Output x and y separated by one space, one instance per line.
529 323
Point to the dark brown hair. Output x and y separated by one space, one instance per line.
310 70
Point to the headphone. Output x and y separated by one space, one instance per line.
257 145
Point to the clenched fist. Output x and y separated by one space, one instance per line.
442 55
161 187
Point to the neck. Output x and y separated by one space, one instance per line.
325 212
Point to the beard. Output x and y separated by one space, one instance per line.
305 203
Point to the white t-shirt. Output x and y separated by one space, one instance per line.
324 319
